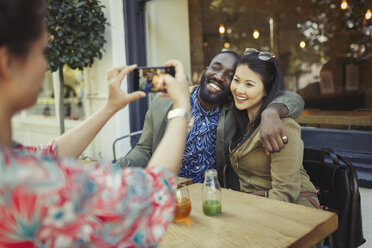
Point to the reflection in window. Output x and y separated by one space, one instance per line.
73 96
73 93
45 102
324 52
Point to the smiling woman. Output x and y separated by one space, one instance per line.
281 176
248 91
256 83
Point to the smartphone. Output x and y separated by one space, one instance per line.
151 79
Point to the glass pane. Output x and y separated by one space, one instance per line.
73 93
45 102
324 52
73 96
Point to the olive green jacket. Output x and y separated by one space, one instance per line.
280 174
156 123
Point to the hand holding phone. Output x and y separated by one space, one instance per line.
151 79
118 99
178 86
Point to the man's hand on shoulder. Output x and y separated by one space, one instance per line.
273 134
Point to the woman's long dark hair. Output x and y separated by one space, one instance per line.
21 23
272 79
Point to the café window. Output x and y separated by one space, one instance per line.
45 102
73 96
73 93
324 49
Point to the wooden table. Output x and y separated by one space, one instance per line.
250 221
183 180
346 118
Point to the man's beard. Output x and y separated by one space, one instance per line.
223 96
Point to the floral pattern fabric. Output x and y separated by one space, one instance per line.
50 202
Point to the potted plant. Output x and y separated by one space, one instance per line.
76 29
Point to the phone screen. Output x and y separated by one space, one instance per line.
151 79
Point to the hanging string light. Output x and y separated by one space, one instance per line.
368 15
256 34
302 44
222 29
226 44
344 5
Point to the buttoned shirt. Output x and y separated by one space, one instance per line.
200 150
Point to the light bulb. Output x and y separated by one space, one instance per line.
221 29
226 44
344 4
302 44
256 34
368 14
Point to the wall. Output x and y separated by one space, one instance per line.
196 43
37 130
168 35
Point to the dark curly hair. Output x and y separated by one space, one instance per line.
21 23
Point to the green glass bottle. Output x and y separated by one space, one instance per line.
211 194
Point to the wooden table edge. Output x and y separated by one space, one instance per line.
185 181
328 226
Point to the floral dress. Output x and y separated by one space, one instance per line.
46 201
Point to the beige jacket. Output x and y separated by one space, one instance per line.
280 174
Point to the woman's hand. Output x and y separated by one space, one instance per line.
177 87
170 149
117 99
75 141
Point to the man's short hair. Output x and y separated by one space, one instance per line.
237 56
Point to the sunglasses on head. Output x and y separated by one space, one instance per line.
264 56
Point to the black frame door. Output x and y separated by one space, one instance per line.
135 39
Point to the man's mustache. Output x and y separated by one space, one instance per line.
220 83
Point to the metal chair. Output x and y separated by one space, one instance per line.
121 138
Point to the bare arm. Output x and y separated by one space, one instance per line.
74 142
170 150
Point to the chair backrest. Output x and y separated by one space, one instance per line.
337 183
134 134
353 145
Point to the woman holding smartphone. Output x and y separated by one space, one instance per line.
49 200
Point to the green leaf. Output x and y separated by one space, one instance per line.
79 38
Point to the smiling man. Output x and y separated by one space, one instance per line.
207 144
